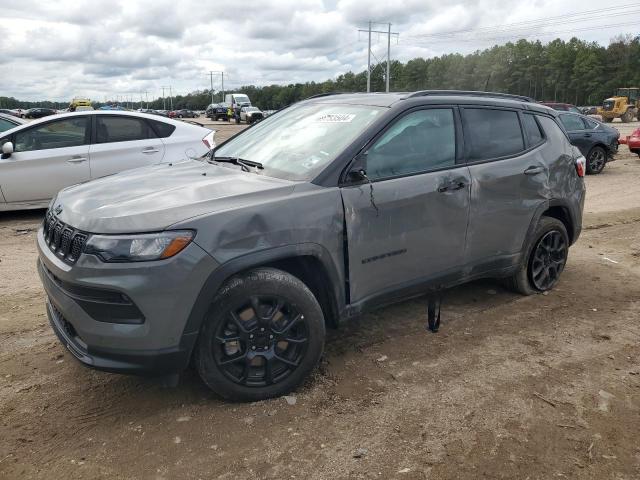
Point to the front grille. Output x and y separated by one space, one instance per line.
63 240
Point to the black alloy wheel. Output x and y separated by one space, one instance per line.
596 160
262 336
262 342
548 260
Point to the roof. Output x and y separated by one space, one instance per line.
432 97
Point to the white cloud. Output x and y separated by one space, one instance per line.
56 50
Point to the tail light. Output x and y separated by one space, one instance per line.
581 166
209 141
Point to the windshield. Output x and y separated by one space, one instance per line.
298 142
241 99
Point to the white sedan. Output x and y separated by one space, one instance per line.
46 155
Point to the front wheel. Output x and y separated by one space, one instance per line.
263 335
545 259
596 160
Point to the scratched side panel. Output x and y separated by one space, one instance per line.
503 203
310 214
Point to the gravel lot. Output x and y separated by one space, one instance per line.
511 387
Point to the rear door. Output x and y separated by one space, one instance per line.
47 158
510 178
408 225
121 143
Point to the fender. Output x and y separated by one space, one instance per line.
257 259
543 207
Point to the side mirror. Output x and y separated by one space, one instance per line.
358 171
7 149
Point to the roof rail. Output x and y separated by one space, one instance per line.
471 93
326 94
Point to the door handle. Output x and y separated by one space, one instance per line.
150 150
451 187
77 159
533 170
587 134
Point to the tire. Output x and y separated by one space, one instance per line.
627 116
607 120
524 281
256 362
596 160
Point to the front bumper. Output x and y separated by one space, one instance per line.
94 328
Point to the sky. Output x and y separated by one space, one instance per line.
102 49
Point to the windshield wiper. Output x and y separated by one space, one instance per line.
245 164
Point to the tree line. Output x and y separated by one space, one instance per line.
574 71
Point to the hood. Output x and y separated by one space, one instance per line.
154 198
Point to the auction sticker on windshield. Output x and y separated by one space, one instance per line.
336 118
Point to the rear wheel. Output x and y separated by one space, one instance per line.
607 119
596 160
627 116
262 337
545 259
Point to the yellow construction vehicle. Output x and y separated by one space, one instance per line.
78 104
623 105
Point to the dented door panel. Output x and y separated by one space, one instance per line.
405 229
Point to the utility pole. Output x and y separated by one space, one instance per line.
369 61
211 72
170 98
388 33
164 102
388 57
211 78
146 97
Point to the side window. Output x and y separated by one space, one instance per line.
163 130
121 129
572 122
532 130
491 133
6 124
589 124
552 130
420 141
70 132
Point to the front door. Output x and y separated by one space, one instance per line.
47 158
408 224
122 143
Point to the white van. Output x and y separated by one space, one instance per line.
237 100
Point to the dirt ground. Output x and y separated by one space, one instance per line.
511 387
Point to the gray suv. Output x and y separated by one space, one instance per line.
237 262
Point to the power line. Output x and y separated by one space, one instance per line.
560 19
520 35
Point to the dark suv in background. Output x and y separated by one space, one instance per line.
326 209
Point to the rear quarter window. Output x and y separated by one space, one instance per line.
532 130
551 129
491 133
162 129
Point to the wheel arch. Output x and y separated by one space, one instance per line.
555 208
309 262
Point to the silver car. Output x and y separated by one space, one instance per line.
324 210
42 157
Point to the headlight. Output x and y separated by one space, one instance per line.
138 248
